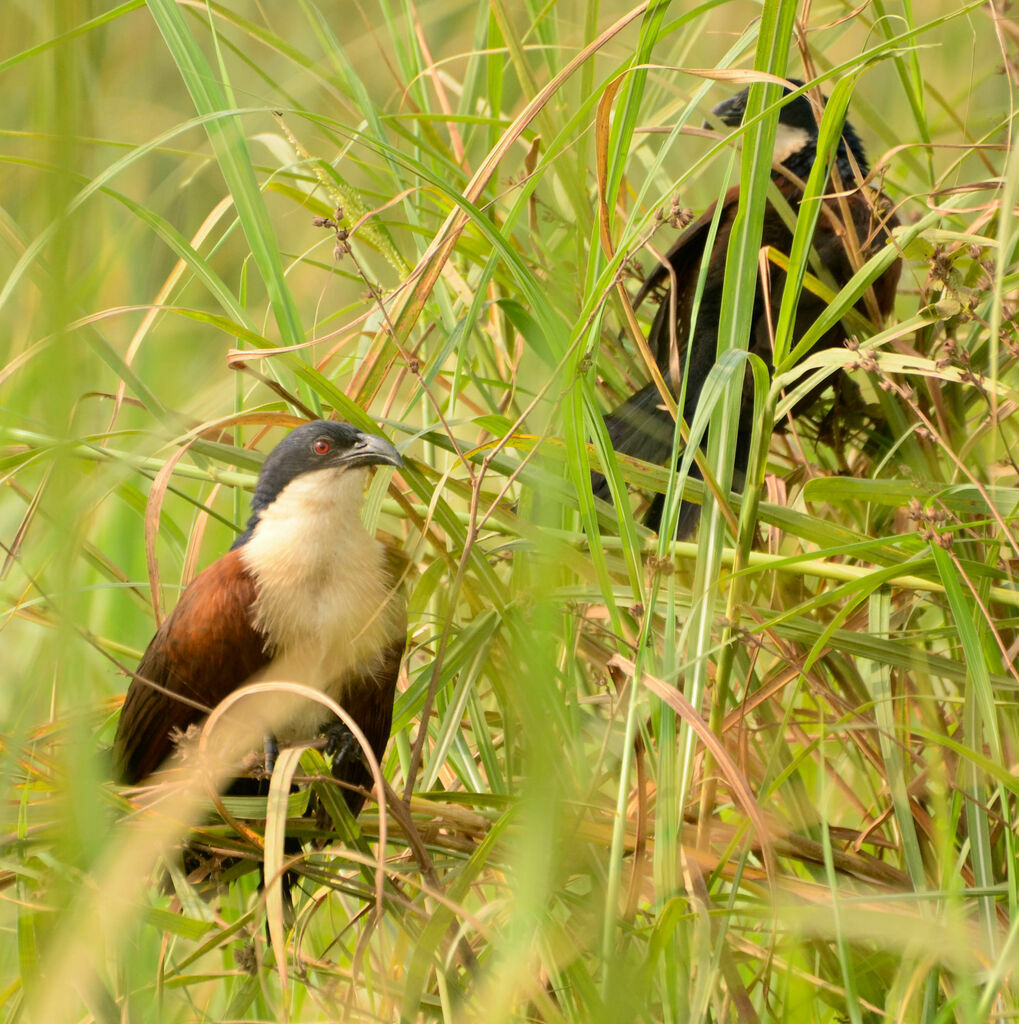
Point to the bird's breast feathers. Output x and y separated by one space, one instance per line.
325 599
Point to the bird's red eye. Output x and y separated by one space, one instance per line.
321 446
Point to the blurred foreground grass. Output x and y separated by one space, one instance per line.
847 851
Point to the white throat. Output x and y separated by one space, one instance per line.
788 141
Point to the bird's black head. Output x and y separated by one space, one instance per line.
796 139
309 448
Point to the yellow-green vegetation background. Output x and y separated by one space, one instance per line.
647 789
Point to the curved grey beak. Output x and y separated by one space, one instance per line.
372 450
730 111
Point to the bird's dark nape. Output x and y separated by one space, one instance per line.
641 426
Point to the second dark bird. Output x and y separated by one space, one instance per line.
641 426
304 595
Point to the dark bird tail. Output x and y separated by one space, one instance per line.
643 428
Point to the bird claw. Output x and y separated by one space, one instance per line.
341 747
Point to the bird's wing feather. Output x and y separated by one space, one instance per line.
685 253
205 650
368 697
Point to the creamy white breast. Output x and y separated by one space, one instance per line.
324 595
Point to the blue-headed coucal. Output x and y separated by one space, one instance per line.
304 595
857 223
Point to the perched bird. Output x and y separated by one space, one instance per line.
641 426
304 595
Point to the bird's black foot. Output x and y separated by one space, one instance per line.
349 766
342 749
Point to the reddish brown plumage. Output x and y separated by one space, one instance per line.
206 649
203 651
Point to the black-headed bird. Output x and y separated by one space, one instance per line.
860 220
304 595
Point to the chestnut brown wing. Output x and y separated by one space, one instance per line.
205 650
